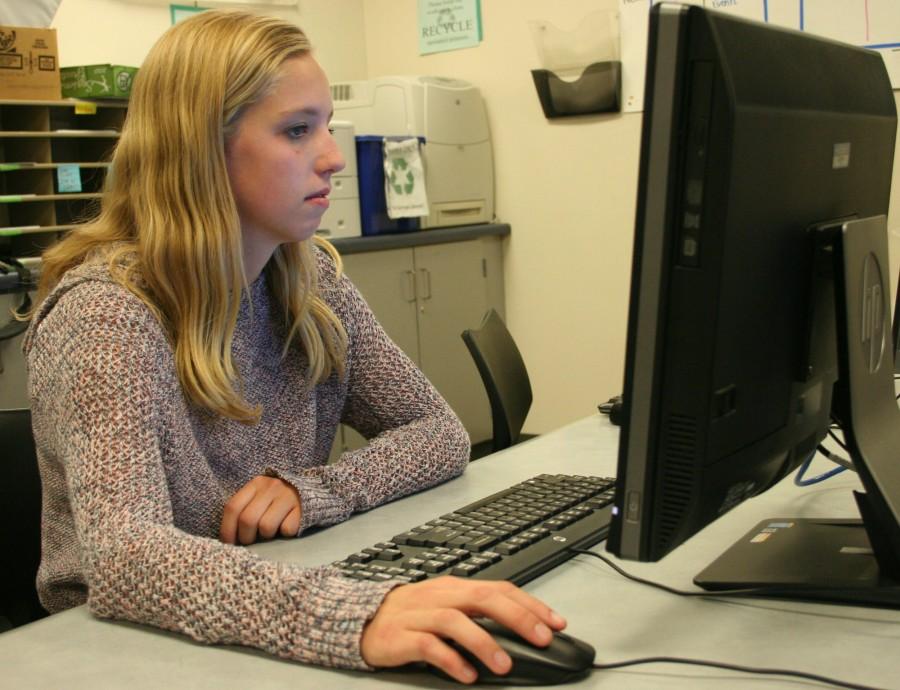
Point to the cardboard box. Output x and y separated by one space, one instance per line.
97 81
29 64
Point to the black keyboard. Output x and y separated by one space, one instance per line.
515 534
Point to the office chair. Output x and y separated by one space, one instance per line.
20 521
505 379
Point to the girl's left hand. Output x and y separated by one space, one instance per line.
263 508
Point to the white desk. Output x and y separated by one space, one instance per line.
621 619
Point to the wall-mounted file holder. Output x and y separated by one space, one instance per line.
581 72
597 90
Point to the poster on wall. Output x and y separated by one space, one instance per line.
873 24
448 25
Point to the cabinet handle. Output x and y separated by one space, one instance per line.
426 282
410 287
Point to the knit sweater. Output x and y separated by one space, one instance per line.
135 477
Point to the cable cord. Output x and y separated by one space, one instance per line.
844 463
799 479
703 662
759 670
671 590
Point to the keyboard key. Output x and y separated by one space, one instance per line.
403 578
479 562
403 539
440 536
434 566
390 555
465 570
533 535
360 557
418 539
481 543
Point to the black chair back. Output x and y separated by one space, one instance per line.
505 377
20 520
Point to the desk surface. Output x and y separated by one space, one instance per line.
623 620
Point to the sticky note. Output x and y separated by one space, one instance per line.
68 178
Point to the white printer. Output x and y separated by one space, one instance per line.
342 217
450 115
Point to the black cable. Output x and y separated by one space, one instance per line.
612 408
703 662
671 590
835 458
837 440
733 667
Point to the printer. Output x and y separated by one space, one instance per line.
342 218
449 115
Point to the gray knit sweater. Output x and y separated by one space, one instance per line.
135 478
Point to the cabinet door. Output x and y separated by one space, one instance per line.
387 282
453 296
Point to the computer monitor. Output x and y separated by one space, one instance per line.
763 152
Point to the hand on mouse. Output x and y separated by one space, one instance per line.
264 507
413 618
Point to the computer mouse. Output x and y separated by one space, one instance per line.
564 660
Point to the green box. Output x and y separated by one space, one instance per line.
97 81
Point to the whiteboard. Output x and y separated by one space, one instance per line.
874 24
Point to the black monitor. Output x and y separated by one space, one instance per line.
766 161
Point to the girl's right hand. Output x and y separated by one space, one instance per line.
413 621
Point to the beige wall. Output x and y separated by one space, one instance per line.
130 27
567 187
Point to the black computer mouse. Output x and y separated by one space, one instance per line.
564 660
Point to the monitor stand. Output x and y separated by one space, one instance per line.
848 561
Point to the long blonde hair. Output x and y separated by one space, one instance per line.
168 223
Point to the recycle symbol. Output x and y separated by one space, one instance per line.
398 165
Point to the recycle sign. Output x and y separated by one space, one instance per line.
398 165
